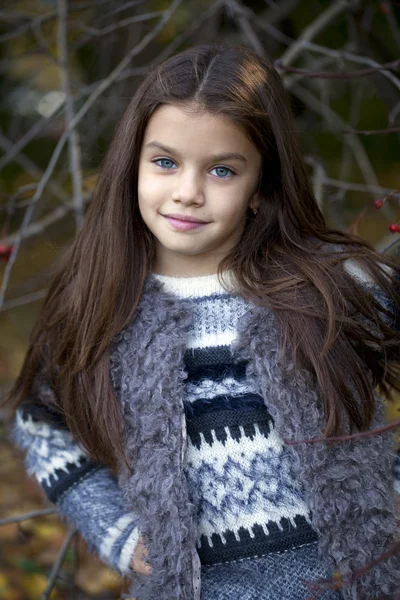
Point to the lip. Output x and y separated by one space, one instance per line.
181 225
179 217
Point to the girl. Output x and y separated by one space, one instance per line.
203 325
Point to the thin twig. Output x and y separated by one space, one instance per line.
27 299
240 13
25 27
392 245
57 564
336 123
30 515
373 131
13 149
12 204
41 225
306 44
343 55
118 9
73 141
338 75
42 42
30 167
312 30
357 187
92 31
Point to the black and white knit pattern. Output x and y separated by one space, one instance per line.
238 468
86 494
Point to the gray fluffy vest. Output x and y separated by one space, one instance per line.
348 485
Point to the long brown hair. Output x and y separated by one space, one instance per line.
327 319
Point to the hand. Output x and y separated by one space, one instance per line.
139 555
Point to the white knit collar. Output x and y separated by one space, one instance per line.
194 287
206 285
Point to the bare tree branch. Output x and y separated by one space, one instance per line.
30 167
58 563
73 140
394 64
125 6
30 515
312 30
239 12
373 131
27 299
14 149
344 55
92 31
50 219
337 123
25 27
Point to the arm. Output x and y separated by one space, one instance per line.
86 494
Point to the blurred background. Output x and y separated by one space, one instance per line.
67 72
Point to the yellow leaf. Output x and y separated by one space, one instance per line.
34 585
6 593
89 182
48 531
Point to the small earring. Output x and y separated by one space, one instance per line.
255 210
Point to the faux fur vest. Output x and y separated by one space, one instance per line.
348 485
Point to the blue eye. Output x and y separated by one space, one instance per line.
168 160
224 169
168 168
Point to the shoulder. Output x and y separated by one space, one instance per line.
357 270
355 267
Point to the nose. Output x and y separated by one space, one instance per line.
189 188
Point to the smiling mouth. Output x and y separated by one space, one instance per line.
180 225
180 217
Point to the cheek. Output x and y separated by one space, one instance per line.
231 207
150 188
148 191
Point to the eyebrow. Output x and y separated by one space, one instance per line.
216 157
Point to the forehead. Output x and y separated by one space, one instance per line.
185 128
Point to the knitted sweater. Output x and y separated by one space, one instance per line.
238 469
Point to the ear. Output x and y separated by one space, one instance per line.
255 201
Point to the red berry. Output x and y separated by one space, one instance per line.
378 203
5 252
394 227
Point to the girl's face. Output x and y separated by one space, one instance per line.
195 165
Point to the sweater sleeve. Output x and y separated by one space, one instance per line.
87 494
